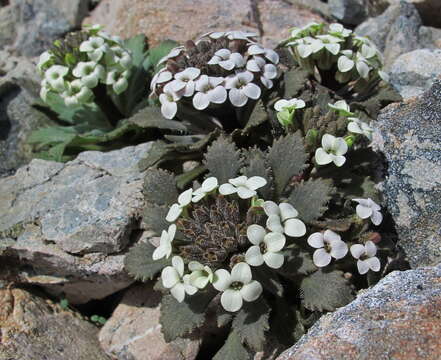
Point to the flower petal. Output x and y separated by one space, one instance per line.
200 101
185 198
237 97
329 236
251 291
373 263
195 266
231 300
169 109
294 228
287 211
273 223
227 189
338 160
256 182
339 249
173 213
252 65
170 277
245 193
376 217
178 264
370 248
328 141
321 258
363 267
363 211
178 292
340 147
357 250
218 95
253 256
316 240
271 208
222 280
255 234
241 272
274 241
210 184
322 157
252 91
274 260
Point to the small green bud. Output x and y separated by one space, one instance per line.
69 58
285 117
350 140
256 202
311 137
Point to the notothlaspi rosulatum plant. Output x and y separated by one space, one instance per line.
93 83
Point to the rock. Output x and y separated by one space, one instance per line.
430 37
409 136
34 328
30 26
163 19
352 12
399 318
414 72
133 331
73 222
395 32
316 6
428 9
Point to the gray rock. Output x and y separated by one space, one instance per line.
414 72
395 32
72 222
30 26
133 331
352 12
409 136
399 318
430 37
34 328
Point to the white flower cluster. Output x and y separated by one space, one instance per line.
354 57
355 125
330 245
236 68
99 58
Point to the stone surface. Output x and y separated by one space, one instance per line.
409 136
414 72
163 19
395 32
133 331
430 37
72 222
33 328
352 12
30 26
399 318
430 10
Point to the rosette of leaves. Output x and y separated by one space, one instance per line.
92 84
261 219
336 57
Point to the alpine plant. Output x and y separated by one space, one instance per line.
220 67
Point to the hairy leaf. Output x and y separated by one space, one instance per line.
179 319
223 159
160 187
258 166
233 349
151 117
297 261
257 117
223 318
311 197
156 153
139 263
154 216
251 323
326 290
287 158
294 80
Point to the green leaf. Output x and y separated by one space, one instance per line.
223 160
151 117
153 217
251 323
160 187
258 166
137 47
139 263
52 135
311 197
232 349
287 158
326 290
257 117
158 52
179 319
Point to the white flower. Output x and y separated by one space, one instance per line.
266 247
118 80
176 209
160 77
237 286
327 42
168 100
173 278
360 127
368 208
383 76
175 52
342 108
231 35
89 72
113 38
184 82
45 88
332 150
329 245
227 60
305 46
55 77
244 187
207 187
117 56
271 55
95 47
165 243
282 219
291 104
311 27
201 275
209 90
339 30
366 257
242 88
44 59
76 93
268 71
347 61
